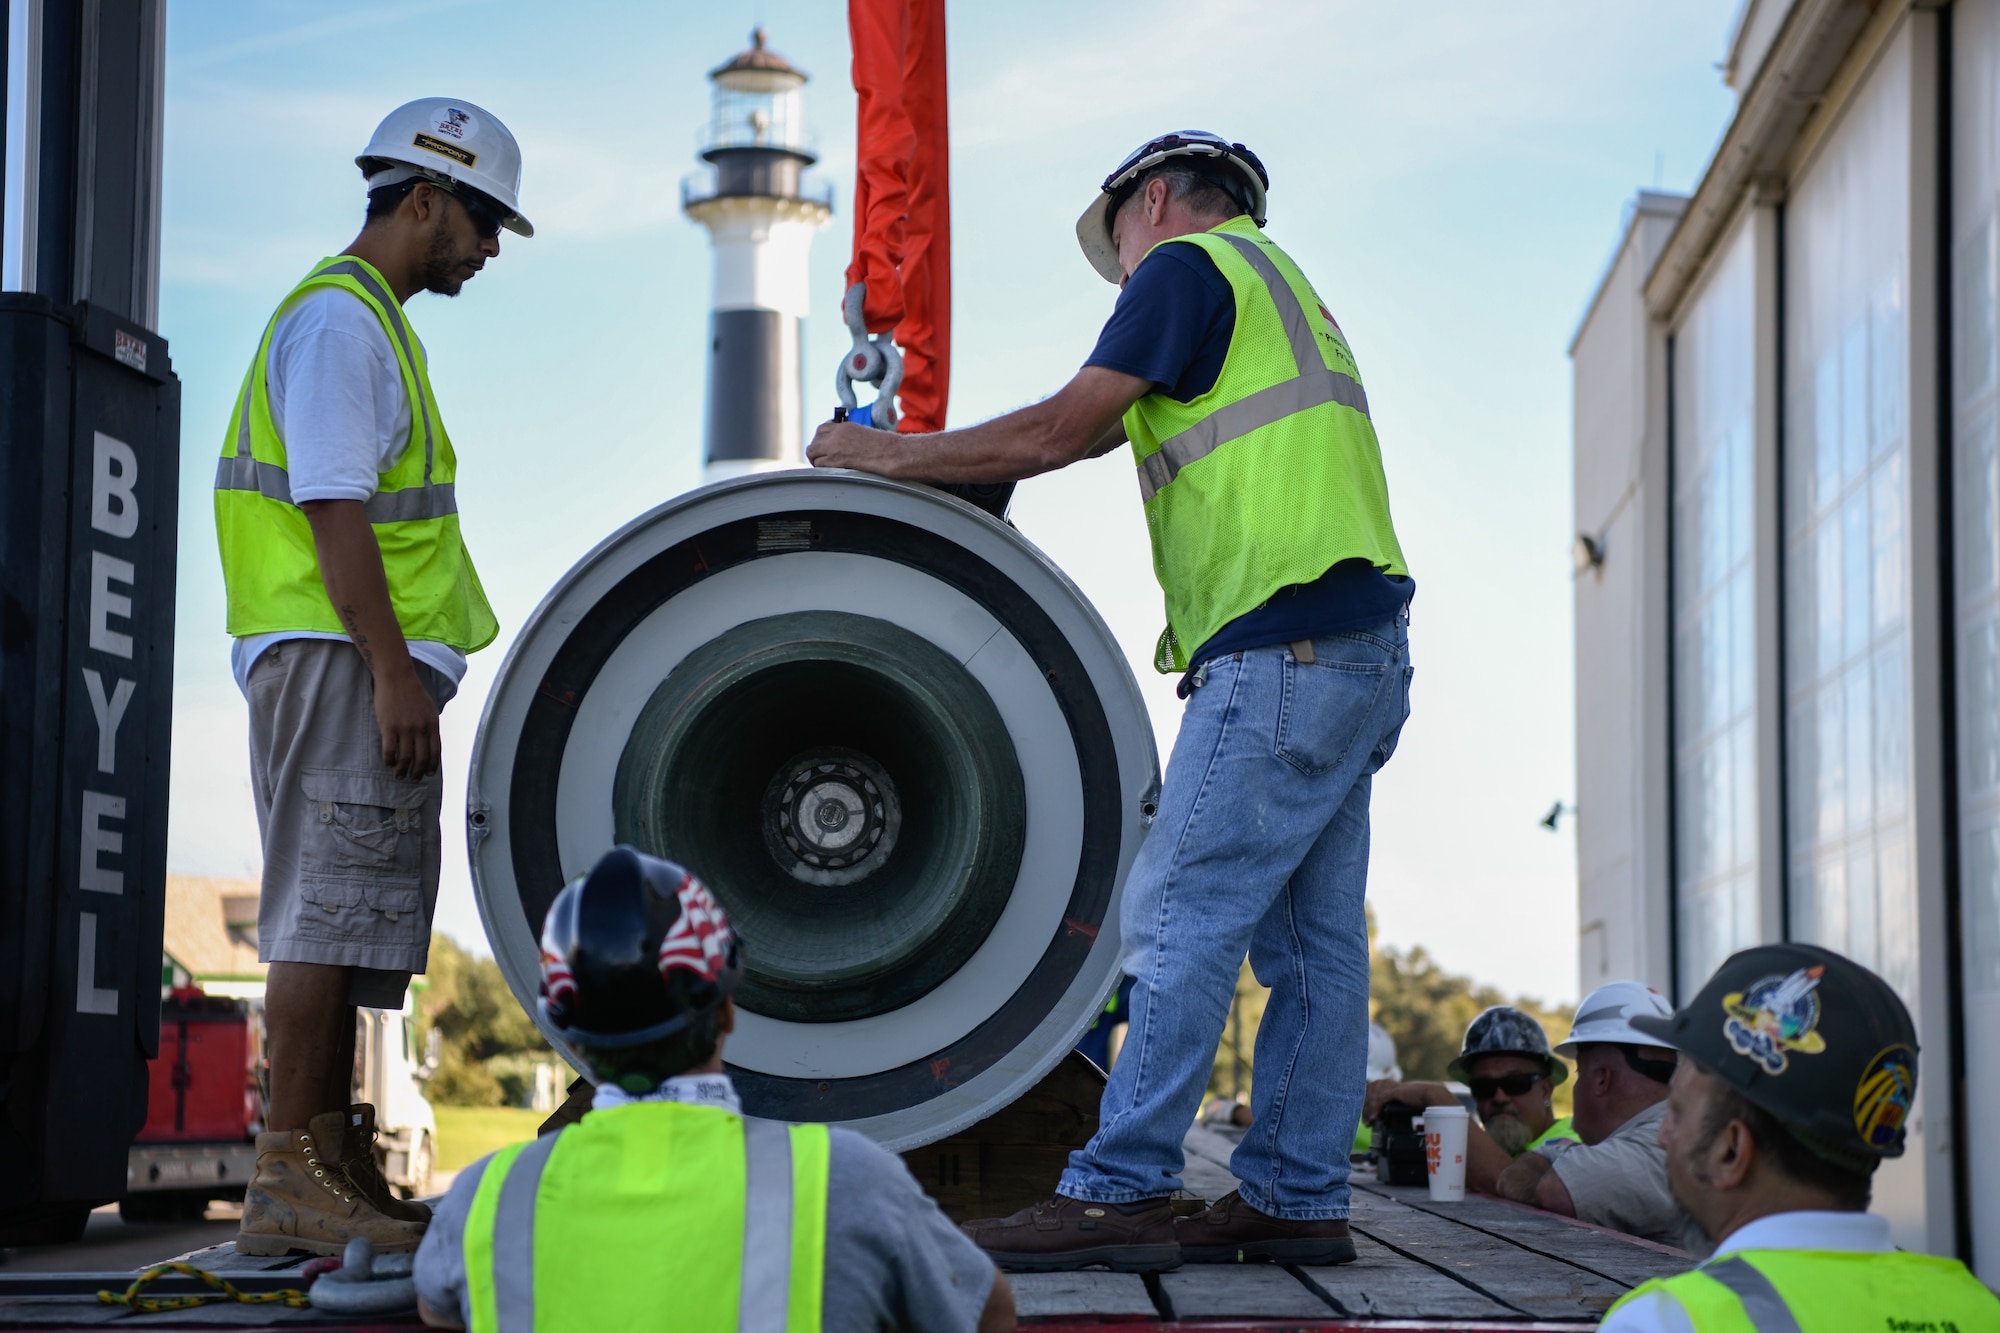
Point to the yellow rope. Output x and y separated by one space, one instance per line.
224 1291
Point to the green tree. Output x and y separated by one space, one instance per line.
487 1042
1427 1009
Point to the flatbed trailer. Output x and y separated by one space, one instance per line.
1484 1264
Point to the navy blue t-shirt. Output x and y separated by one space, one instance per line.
1172 326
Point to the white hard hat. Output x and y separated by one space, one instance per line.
1606 1015
456 140
1382 1054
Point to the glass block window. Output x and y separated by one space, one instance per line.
1977 524
1850 881
1715 645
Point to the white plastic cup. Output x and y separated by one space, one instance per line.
1444 1151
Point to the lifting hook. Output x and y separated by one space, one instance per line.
873 360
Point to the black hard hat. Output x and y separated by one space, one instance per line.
634 952
1505 1030
1812 1037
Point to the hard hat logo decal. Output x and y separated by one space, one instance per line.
454 122
1882 1099
430 143
699 939
1774 1018
558 982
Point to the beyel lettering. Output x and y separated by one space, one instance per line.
98 840
91 998
114 509
106 570
110 712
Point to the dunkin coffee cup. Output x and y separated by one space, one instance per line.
1444 1151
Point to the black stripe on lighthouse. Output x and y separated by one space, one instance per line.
752 354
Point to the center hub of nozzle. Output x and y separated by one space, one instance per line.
836 816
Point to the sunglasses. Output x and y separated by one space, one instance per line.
1514 1085
487 216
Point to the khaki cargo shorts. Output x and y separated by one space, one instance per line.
350 849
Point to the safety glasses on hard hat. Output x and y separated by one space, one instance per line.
1514 1085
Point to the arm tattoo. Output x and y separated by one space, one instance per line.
354 632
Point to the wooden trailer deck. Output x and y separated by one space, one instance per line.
1478 1265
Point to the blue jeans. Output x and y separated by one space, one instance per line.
1260 847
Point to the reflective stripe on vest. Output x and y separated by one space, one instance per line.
432 500
1315 386
502 1230
1272 476
1766 1309
270 560
1789 1291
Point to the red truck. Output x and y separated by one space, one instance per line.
203 1111
205 1104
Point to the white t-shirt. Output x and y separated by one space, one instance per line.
1843 1233
338 400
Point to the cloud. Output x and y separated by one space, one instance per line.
342 25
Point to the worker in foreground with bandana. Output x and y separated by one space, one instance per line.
665 1206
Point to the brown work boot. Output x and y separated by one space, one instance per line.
296 1201
1063 1233
1232 1232
350 1146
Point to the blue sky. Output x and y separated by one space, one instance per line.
1451 175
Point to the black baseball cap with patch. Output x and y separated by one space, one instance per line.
1812 1037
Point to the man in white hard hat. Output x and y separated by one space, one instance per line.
1287 603
353 604
1617 1176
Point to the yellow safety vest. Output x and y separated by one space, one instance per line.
1564 1128
269 564
1274 475
652 1215
1799 1291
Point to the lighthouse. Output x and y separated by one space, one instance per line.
761 219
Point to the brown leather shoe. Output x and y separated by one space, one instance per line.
348 1143
1232 1232
1063 1233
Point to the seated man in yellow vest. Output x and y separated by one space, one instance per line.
1507 1063
1286 600
665 1207
353 604
1798 1070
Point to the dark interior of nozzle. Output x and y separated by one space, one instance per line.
849 793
